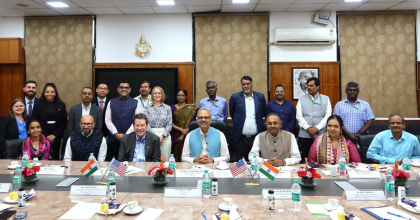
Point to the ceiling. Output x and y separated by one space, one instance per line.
117 7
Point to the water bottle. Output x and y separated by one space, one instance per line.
406 163
296 196
342 166
271 201
254 166
111 177
333 170
21 198
206 184
17 180
172 163
34 161
389 187
25 160
214 187
92 156
112 192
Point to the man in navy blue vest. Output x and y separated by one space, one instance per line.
205 144
118 118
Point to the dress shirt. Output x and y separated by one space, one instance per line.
302 122
27 104
86 111
354 115
294 151
386 149
218 108
143 103
159 117
139 151
224 151
286 111
250 125
101 155
108 119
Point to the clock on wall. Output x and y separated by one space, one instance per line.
143 47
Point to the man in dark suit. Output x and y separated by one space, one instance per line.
247 109
29 89
141 145
101 101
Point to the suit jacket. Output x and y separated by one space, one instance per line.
128 144
238 113
8 131
95 102
76 114
39 113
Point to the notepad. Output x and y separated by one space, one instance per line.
381 213
346 186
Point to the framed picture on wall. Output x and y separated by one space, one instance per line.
300 76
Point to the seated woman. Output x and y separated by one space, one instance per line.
36 145
328 147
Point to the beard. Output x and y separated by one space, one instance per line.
87 132
30 95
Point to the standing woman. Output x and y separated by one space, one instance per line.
11 125
51 113
160 120
183 115
36 145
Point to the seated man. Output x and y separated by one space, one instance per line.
277 146
392 145
205 144
140 145
80 145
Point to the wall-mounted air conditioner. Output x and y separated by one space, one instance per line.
284 36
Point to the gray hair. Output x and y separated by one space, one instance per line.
352 84
211 82
273 114
203 109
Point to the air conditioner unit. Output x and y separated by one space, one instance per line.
285 36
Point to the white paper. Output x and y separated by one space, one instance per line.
234 215
150 214
4 187
82 211
133 169
51 170
189 173
222 173
382 212
358 174
182 192
286 168
365 195
316 209
80 190
326 172
278 193
280 175
4 206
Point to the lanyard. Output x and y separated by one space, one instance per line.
141 100
354 106
320 100
214 103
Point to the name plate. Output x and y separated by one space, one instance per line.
278 193
52 170
182 192
365 195
364 174
189 173
88 190
4 187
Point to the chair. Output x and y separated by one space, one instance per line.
219 125
364 141
13 148
377 127
412 128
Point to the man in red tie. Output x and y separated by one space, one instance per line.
102 101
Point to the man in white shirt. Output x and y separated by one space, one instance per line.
277 146
144 98
80 145
205 144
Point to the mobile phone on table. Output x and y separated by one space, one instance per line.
316 165
7 214
20 216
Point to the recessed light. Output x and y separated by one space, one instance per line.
58 4
240 1
352 0
166 2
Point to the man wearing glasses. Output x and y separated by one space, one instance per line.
392 145
216 104
81 144
205 144
283 108
102 101
118 118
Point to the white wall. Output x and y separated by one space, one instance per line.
12 27
170 36
293 53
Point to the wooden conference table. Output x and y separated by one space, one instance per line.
51 202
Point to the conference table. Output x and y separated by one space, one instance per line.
52 202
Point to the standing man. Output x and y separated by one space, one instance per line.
356 114
118 118
247 109
283 108
101 101
312 112
29 89
144 98
216 104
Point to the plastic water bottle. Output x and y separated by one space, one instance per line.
172 163
17 180
112 192
342 166
206 184
389 187
25 160
333 169
92 156
296 196
254 166
34 161
406 163
111 177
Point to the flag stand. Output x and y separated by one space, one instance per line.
252 180
105 183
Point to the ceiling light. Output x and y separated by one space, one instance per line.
240 1
352 0
166 2
58 4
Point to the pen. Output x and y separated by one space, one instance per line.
397 215
129 171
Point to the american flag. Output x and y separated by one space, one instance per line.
118 167
238 168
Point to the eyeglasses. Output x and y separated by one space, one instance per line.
101 88
86 124
204 117
395 123
124 87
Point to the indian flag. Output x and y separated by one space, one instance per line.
90 168
269 170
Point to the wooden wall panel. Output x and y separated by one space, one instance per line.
185 73
12 77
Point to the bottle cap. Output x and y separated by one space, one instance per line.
110 169
255 156
172 155
22 189
404 156
206 171
214 179
332 163
270 191
26 153
17 168
112 183
295 181
91 154
389 172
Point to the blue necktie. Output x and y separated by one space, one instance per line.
141 140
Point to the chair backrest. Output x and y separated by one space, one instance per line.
219 125
364 142
412 128
377 127
13 148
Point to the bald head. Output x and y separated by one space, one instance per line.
87 123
